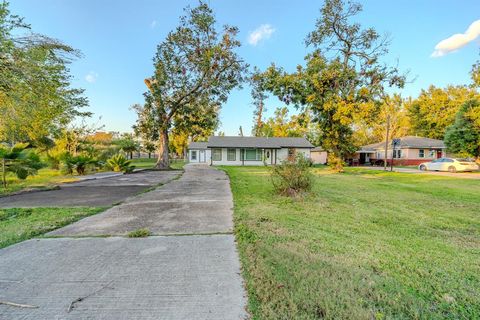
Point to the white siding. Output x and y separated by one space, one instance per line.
281 154
200 156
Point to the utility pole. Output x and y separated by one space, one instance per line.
386 144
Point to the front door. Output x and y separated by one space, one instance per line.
439 154
202 156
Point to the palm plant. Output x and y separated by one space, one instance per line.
119 163
18 160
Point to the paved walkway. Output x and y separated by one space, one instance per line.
464 175
159 277
91 193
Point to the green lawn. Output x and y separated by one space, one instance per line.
146 163
44 179
21 224
364 245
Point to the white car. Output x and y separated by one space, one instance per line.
450 165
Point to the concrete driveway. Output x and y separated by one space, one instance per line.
91 193
464 175
199 202
187 276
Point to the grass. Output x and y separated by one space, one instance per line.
44 179
19 224
139 233
365 245
146 163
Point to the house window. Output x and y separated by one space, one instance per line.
193 155
217 154
397 154
421 153
431 154
231 154
291 154
253 154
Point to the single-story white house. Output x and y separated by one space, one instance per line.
242 151
198 152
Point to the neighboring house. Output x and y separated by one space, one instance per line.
411 151
241 151
198 152
318 155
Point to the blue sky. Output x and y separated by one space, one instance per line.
118 39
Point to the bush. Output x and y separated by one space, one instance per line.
78 163
139 233
335 163
293 178
119 163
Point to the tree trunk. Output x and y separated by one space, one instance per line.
4 174
163 162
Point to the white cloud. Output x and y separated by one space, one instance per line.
153 24
457 41
91 77
263 32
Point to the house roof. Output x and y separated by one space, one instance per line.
197 145
257 142
407 142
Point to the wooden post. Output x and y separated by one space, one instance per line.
386 144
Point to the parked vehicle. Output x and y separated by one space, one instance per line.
450 165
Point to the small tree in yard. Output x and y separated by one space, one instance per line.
195 67
292 178
18 160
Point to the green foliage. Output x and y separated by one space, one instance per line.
119 163
127 144
139 233
342 82
435 109
292 178
19 161
196 67
36 98
463 137
79 163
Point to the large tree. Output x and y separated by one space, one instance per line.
463 137
195 66
343 80
35 94
392 113
435 109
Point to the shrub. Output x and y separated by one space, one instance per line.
335 163
19 161
292 178
139 233
119 163
78 163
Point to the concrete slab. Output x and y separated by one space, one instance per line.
91 193
199 202
183 277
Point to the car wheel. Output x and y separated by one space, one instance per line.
423 167
452 169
